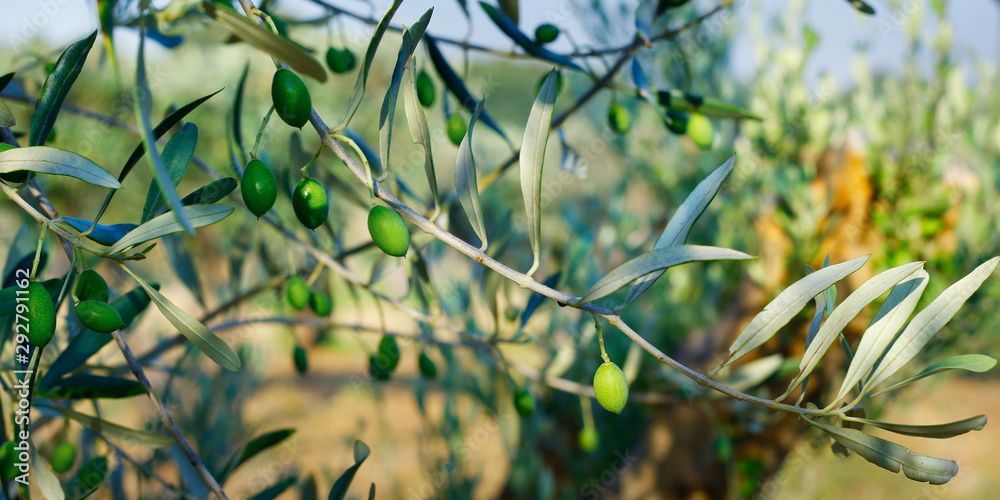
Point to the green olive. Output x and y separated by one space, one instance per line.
588 439
456 129
425 89
524 402
340 61
91 286
297 293
619 118
41 315
291 98
377 369
63 457
8 469
310 203
700 131
546 33
677 121
259 187
388 352
427 367
320 303
388 231
99 316
611 387
17 176
301 359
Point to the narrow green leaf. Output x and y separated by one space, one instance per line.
928 321
46 160
105 235
56 87
844 314
362 82
712 108
466 184
92 387
263 442
110 430
419 133
511 9
787 304
199 215
88 479
510 29
891 317
199 335
212 192
532 159
891 456
339 490
45 478
6 117
237 126
456 85
862 7
143 105
935 431
177 155
411 37
276 489
683 220
654 260
6 79
263 40
978 363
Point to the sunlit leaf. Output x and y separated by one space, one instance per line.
466 184
977 363
46 479
56 87
419 133
339 490
411 37
46 160
199 215
532 159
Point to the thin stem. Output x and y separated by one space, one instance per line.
600 339
305 169
369 179
38 251
260 132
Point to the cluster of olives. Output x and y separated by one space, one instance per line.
96 313
695 125
299 296
382 364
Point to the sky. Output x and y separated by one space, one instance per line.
976 22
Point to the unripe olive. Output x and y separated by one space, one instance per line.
677 121
291 98
619 118
99 316
377 369
301 359
546 33
388 231
320 303
297 293
91 286
700 130
611 387
427 367
8 469
456 129
588 439
259 187
17 176
388 352
41 315
425 89
559 82
340 61
310 203
524 402
63 457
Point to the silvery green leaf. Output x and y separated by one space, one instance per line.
46 479
862 6
928 321
466 184
112 431
978 363
199 335
419 133
786 305
532 159
105 235
935 431
843 314
177 155
6 117
46 160
411 37
362 82
654 260
893 314
891 456
198 215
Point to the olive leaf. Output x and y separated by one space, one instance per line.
110 430
105 235
89 478
254 447
891 317
272 492
45 478
56 87
237 116
466 184
750 375
6 117
683 220
199 335
266 41
411 37
532 159
934 431
927 322
862 7
199 215
46 160
456 85
692 103
817 320
509 28
844 314
177 155
419 133
654 260
891 456
786 305
362 82
5 79
212 192
977 363
511 9
88 386
339 490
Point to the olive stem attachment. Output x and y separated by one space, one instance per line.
587 411
600 338
315 274
305 169
38 251
260 132
364 160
